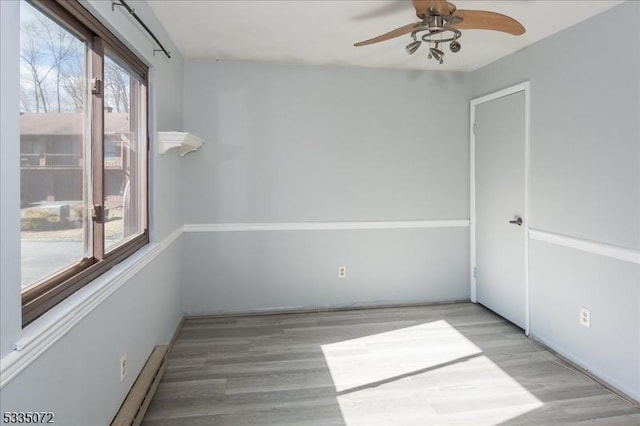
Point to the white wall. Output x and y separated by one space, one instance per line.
291 144
585 184
77 377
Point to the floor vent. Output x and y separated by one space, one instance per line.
137 401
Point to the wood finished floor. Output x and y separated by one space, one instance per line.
456 364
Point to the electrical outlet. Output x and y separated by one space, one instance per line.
123 367
342 271
585 317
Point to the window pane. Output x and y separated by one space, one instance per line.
124 155
52 146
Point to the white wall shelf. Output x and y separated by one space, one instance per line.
185 141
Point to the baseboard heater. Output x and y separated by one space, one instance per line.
137 401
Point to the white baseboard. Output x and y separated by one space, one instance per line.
321 308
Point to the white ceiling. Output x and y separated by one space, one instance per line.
322 32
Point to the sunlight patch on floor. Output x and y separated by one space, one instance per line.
425 373
370 359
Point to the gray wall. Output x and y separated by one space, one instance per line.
585 183
254 271
292 143
10 314
77 378
300 143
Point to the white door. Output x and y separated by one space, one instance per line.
500 222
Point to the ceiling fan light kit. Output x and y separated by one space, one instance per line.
413 46
441 24
436 33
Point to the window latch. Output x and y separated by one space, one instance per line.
96 85
97 213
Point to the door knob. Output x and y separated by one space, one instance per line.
517 221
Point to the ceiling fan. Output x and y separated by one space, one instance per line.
441 23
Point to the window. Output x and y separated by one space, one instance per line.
83 152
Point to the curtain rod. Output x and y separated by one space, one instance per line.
137 18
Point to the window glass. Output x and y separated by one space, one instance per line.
124 146
53 182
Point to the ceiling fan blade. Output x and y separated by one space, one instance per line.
483 20
391 34
433 7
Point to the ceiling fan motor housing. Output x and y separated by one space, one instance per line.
434 8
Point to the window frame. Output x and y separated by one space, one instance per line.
43 295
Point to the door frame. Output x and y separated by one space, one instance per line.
525 88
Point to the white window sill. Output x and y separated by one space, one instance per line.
41 334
